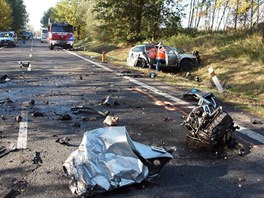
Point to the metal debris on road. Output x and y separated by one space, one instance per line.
152 75
64 140
112 120
86 109
37 159
16 188
107 159
37 114
6 101
4 79
31 102
89 119
4 151
18 119
201 96
63 117
24 63
109 101
256 121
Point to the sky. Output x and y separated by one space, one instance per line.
36 8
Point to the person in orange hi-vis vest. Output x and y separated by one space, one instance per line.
161 55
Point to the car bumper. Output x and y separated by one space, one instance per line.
61 43
7 43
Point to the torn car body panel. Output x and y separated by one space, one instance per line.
107 159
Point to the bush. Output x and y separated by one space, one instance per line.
181 41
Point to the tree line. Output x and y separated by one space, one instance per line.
13 15
215 15
138 20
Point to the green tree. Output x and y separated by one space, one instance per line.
67 11
45 18
5 15
19 14
136 20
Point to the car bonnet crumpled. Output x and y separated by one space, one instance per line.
104 161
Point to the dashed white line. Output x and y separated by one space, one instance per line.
23 130
242 130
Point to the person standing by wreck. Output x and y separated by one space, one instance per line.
161 56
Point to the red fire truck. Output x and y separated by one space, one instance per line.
60 34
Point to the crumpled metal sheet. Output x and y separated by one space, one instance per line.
104 161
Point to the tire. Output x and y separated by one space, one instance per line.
51 47
141 63
186 65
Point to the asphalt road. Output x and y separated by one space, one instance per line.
59 80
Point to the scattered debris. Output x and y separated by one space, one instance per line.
4 151
168 119
4 79
112 90
81 77
24 63
256 121
202 97
108 159
197 79
37 114
37 159
63 117
16 188
152 75
64 140
112 120
18 119
31 102
85 109
89 119
109 101
187 75
6 101
3 117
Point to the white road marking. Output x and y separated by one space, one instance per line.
23 130
251 134
242 130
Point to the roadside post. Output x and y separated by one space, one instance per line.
103 56
215 79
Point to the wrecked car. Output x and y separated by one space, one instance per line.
107 159
145 56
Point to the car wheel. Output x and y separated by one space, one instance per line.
186 65
141 63
51 47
